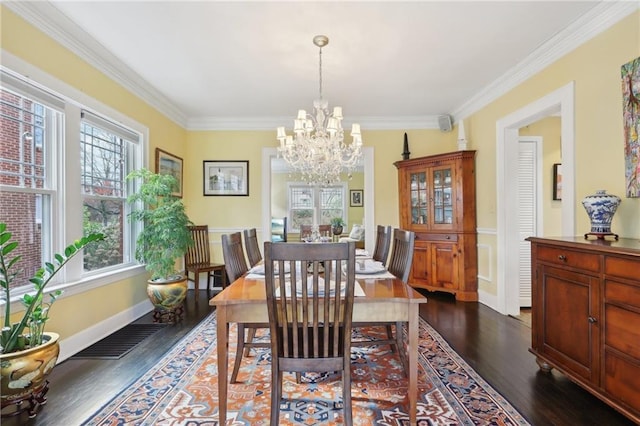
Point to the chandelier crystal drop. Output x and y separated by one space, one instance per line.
317 149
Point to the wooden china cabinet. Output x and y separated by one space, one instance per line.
438 202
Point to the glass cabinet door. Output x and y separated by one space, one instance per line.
419 194
442 196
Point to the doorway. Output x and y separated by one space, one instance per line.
561 102
368 202
530 212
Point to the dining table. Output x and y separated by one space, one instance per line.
384 298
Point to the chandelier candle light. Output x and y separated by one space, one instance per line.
317 148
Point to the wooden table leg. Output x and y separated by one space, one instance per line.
222 336
413 362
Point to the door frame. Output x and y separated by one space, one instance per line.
368 201
507 133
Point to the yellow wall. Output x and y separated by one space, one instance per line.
595 68
229 214
599 157
549 130
73 314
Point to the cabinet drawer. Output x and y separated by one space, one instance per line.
622 267
621 293
437 237
572 258
621 330
622 380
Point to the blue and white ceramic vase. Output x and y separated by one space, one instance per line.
600 207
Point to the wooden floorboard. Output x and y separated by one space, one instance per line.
496 346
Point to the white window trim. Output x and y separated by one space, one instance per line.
66 232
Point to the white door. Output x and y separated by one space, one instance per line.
528 216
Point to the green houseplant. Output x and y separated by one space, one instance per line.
164 239
27 357
337 225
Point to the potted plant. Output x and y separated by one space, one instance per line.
164 240
27 352
337 225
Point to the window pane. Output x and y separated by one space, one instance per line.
106 216
301 217
19 212
25 138
104 160
22 160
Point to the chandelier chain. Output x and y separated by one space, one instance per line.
320 71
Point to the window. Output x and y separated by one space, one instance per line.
43 199
27 176
325 203
105 150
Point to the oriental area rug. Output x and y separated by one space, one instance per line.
182 388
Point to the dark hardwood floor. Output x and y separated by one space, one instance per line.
496 346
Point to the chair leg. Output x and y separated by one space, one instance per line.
390 337
239 350
402 353
276 392
346 394
252 335
210 281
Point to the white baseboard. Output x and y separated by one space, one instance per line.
79 341
488 299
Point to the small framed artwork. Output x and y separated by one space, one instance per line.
169 164
226 177
356 198
557 181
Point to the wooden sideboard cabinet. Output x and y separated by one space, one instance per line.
586 315
438 202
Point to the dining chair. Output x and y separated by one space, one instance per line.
252 246
383 243
305 231
324 230
310 316
400 264
401 258
236 266
197 259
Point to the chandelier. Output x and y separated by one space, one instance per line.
317 149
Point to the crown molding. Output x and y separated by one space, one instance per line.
44 16
594 22
48 19
271 123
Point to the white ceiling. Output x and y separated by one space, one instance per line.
239 64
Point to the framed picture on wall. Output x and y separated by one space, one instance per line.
169 164
226 177
557 181
355 198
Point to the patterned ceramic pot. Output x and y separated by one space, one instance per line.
600 207
167 295
24 372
